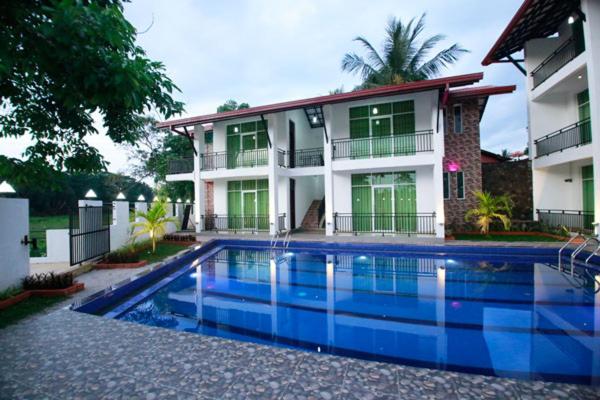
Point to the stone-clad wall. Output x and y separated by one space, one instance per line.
464 150
512 178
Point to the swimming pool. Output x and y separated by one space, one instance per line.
501 312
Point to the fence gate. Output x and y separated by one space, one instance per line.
89 232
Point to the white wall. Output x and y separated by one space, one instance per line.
551 191
306 137
308 189
14 223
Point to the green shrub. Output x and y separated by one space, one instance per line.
10 292
129 253
48 280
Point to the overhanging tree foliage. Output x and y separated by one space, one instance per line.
404 56
61 64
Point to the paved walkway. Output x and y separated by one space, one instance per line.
70 355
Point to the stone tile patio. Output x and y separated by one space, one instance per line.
69 355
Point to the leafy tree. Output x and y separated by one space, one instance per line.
63 63
154 223
232 105
490 208
404 56
505 153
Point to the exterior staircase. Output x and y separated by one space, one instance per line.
313 219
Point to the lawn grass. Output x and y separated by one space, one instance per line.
163 250
32 305
505 238
38 227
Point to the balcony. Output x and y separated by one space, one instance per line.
555 61
181 166
383 146
240 223
231 160
397 223
574 135
573 220
300 158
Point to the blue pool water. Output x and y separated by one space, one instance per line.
504 316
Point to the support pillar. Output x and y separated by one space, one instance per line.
328 173
199 185
273 126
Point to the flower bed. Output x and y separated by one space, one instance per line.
74 288
107 265
509 233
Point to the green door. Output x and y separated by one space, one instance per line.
381 137
404 134
406 208
583 106
233 150
249 209
249 150
383 208
587 174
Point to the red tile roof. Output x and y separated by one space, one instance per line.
410 87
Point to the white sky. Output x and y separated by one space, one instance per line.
265 51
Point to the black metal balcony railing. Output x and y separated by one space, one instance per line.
574 220
240 223
230 160
574 135
555 61
301 158
181 166
383 146
402 223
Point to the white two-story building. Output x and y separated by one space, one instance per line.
368 161
560 43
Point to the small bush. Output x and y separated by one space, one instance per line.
120 256
10 292
48 281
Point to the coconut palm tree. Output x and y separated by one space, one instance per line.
153 223
404 56
490 208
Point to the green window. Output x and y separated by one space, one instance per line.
208 137
248 204
460 185
246 144
446 186
382 130
384 202
583 106
458 123
587 176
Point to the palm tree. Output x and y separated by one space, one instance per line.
154 223
490 208
404 57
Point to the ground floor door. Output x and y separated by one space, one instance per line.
587 183
383 208
249 209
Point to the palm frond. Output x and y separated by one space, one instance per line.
376 62
441 60
356 64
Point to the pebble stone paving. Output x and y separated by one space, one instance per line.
70 355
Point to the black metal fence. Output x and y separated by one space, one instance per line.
301 158
400 223
89 233
555 61
236 223
383 146
281 222
574 135
181 166
574 220
230 160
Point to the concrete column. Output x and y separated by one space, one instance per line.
273 126
119 230
171 226
328 173
199 186
140 207
438 172
591 31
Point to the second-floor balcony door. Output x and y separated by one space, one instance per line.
587 183
381 133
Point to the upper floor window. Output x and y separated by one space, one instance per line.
458 122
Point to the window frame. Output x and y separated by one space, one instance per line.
446 185
454 119
460 186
